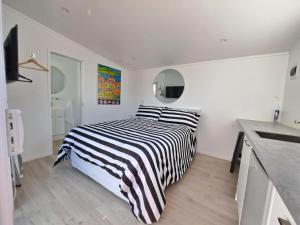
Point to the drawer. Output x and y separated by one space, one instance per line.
257 195
243 174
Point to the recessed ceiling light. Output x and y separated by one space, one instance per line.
66 10
223 40
130 61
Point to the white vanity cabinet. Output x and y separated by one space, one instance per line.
243 173
58 124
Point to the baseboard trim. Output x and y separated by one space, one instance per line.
37 156
212 156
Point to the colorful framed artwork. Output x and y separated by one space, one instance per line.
109 85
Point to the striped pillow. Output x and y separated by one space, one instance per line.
177 116
149 112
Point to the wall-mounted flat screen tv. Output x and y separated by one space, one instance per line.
174 91
11 55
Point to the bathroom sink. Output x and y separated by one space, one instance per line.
279 137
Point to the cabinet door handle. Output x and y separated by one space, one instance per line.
283 222
247 143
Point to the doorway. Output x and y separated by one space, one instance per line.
65 89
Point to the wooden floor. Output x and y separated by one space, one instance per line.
64 196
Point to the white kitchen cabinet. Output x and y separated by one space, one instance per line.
257 194
258 201
243 173
278 210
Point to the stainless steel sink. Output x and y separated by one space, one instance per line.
279 137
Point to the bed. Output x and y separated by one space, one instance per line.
136 159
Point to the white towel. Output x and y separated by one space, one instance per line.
69 116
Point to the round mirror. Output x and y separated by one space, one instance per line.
168 86
58 80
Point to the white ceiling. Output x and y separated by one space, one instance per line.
151 33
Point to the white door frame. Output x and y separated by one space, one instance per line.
6 196
61 53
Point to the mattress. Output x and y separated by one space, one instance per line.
98 174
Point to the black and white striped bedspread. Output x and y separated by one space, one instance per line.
146 156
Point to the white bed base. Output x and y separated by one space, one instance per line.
98 174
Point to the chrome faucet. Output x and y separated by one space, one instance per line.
297 122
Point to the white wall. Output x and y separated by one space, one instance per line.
291 103
34 99
225 90
6 195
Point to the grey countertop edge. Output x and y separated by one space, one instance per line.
280 160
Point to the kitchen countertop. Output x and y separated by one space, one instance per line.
280 159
